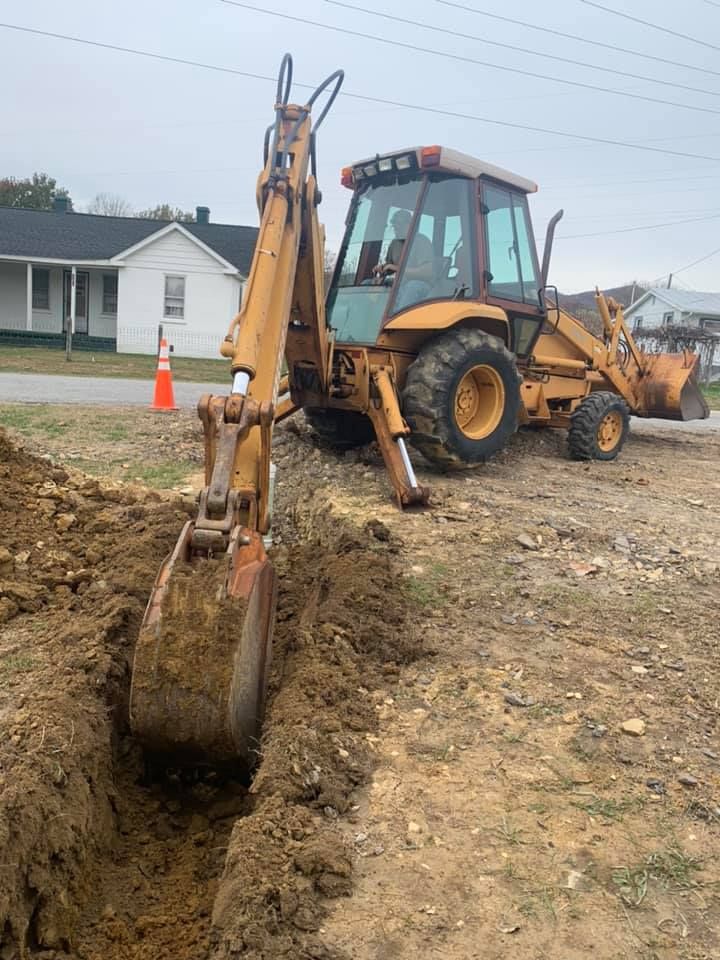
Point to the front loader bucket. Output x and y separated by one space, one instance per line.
668 388
203 654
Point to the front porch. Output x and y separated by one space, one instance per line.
39 301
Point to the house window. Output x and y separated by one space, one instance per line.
668 319
110 293
638 322
175 298
40 289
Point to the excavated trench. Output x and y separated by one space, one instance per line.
105 858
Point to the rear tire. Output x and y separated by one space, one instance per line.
462 398
341 429
599 427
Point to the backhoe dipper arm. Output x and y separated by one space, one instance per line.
284 288
203 652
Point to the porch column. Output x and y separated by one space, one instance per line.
28 302
73 293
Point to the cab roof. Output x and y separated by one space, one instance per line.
453 161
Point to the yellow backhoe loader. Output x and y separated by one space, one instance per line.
439 330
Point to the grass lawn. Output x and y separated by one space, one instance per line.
132 365
712 395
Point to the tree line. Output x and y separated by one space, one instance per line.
39 191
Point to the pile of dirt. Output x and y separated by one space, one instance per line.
103 860
342 633
76 564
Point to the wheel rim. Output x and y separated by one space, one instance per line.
479 402
610 431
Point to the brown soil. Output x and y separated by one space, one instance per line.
481 684
74 566
138 858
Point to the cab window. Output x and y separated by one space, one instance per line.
440 262
511 269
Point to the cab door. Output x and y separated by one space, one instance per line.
510 275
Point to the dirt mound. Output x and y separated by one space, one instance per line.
342 629
76 565
99 860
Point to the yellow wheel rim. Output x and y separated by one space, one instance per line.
610 431
479 402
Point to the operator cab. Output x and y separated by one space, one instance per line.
429 225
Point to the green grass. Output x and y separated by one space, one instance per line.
15 664
427 590
712 395
671 867
131 365
163 475
36 417
607 809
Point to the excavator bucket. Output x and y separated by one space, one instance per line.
203 654
668 388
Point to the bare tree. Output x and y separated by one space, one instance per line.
329 266
109 205
164 211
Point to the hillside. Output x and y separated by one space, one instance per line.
582 305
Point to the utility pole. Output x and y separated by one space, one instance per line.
669 281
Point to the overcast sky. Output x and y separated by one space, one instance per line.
151 131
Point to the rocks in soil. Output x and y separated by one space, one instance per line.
634 727
516 700
687 780
527 542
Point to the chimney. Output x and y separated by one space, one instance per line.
202 214
62 205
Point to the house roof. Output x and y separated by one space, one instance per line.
687 301
84 236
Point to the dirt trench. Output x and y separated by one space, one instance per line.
100 858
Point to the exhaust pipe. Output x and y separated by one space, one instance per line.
549 235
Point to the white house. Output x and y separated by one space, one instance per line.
131 276
660 307
675 320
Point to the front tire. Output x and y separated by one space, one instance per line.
599 427
462 398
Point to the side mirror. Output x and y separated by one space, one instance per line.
453 273
544 296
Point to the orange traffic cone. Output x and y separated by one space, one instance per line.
164 398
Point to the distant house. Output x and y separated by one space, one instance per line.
660 308
131 275
672 320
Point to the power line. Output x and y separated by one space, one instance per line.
423 108
415 48
651 226
516 49
707 256
642 213
621 183
574 36
647 23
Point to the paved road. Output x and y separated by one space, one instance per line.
34 388
692 426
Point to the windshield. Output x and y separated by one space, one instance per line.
377 228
